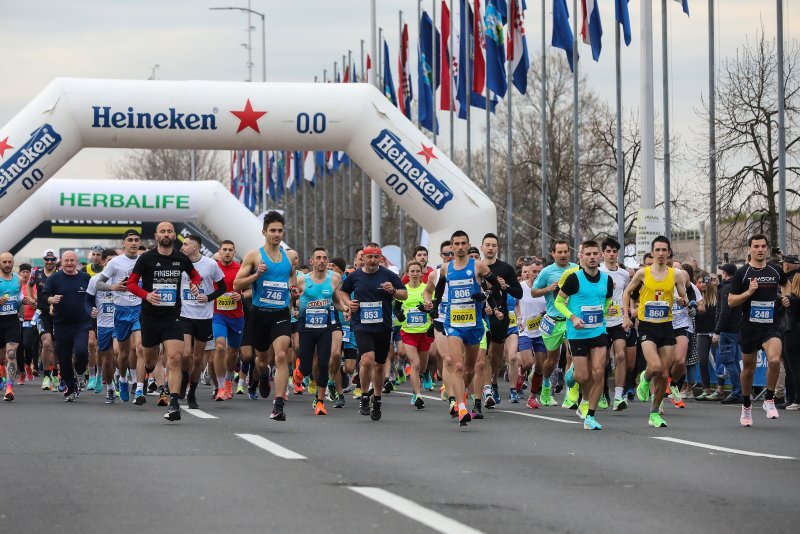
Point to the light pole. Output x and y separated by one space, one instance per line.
154 68
263 34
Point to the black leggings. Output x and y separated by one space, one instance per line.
71 339
792 361
320 341
703 352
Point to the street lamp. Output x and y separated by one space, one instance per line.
154 68
263 35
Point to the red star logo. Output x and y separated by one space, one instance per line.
427 153
4 146
248 118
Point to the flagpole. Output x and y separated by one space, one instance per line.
363 223
452 96
468 85
576 198
648 112
712 135
376 199
665 97
335 215
402 77
620 159
509 177
349 196
781 136
545 223
296 184
304 193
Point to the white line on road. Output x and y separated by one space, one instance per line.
271 447
723 449
412 510
557 420
429 397
199 413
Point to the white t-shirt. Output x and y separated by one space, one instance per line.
621 278
119 268
210 272
103 301
532 309
433 277
680 314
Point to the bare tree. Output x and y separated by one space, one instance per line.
166 164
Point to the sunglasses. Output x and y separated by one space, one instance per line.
446 253
49 259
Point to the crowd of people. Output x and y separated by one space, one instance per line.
159 322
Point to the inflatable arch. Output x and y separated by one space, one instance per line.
71 114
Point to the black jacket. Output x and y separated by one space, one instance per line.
729 320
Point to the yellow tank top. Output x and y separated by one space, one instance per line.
656 297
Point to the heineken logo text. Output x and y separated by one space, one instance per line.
42 142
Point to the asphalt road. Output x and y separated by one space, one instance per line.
89 467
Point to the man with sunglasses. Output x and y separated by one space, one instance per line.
38 279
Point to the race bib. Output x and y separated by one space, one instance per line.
274 294
512 319
656 310
370 312
762 311
345 333
10 307
532 324
188 296
226 302
167 292
592 316
107 308
463 315
27 324
416 318
547 325
316 318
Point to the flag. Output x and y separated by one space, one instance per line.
426 65
495 19
346 74
518 47
685 5
251 183
370 71
309 167
273 173
476 99
388 83
562 33
404 75
621 10
592 29
447 63
290 163
478 70
233 173
280 176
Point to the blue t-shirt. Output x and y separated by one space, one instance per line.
375 305
551 273
73 307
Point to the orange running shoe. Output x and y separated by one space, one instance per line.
29 372
228 389
9 396
464 417
319 408
533 404
220 396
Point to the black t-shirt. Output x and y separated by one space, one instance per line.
72 308
503 270
162 275
38 279
375 304
572 285
768 309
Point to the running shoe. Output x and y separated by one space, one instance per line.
364 407
569 377
375 411
70 396
9 396
173 413
357 393
124 391
331 394
453 408
191 400
90 384
29 373
656 420
620 404
240 389
60 385
583 409
138 398
513 397
573 392
443 392
111 398
339 403
152 387
228 389
319 408
643 389
401 376
544 396
204 378
496 394
427 381
746 419
769 407
602 403
713 396
312 387
388 387
21 379
220 396
590 423
679 404
264 388
520 381
98 386
408 369
277 413
418 402
674 395
163 398
533 403
463 417
347 383
488 396
477 411
630 394
80 380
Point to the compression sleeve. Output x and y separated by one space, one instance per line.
439 291
133 286
221 288
607 305
561 306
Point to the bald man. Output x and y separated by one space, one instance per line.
65 290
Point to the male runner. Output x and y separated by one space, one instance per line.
761 290
531 347
421 257
102 303
656 285
11 298
228 320
95 265
617 335
38 279
160 271
588 294
273 279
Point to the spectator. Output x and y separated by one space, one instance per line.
792 347
705 323
726 336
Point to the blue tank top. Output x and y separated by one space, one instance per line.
461 285
315 303
10 290
587 304
271 289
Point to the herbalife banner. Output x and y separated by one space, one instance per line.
649 225
71 114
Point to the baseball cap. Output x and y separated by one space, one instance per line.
98 248
473 250
728 268
49 253
792 259
131 231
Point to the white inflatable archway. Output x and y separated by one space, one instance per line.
136 200
71 114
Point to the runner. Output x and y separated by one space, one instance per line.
227 323
102 303
272 277
29 348
11 298
373 288
588 295
39 278
343 349
617 335
421 257
66 292
438 314
414 330
160 271
532 351
761 290
682 326
95 265
656 285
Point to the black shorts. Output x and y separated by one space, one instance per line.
632 338
377 342
199 329
752 339
350 353
93 325
247 333
616 332
682 331
269 325
581 347
156 330
46 320
439 327
498 329
295 327
10 330
661 334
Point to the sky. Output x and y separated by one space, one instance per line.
47 39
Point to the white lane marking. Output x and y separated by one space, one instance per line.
271 447
199 413
429 397
429 518
724 449
541 417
